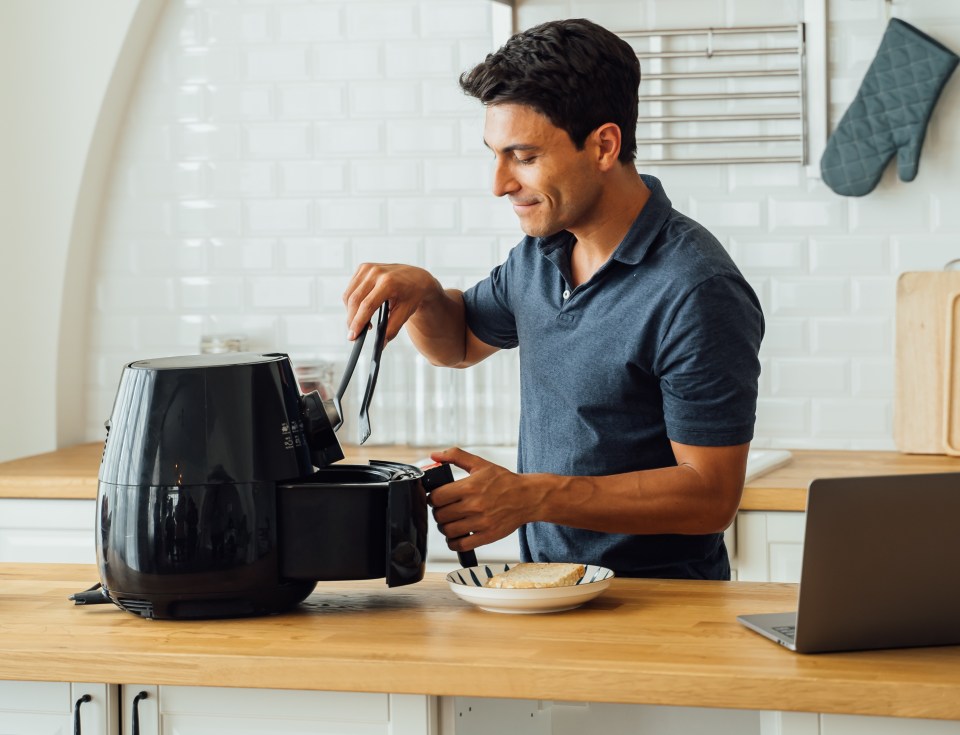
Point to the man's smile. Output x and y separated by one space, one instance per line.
523 206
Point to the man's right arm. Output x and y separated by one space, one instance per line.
435 318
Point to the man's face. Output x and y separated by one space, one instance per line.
551 185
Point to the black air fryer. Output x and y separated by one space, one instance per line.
217 498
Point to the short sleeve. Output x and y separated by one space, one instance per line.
489 307
708 364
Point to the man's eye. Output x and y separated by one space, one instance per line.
525 161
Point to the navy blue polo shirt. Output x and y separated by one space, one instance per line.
660 344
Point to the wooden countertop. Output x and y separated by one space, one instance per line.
667 642
786 487
72 473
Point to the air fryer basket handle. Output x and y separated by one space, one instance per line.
433 477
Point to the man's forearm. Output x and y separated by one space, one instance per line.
669 500
438 329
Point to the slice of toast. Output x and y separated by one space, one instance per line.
536 575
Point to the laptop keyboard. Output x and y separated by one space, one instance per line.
787 631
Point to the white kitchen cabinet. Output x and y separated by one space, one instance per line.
769 546
861 725
172 710
481 716
789 723
474 716
47 530
47 708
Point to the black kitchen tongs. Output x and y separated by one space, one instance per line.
382 317
436 476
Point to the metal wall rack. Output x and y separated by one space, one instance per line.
721 95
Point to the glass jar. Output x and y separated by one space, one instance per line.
316 376
217 344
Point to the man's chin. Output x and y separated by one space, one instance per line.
531 229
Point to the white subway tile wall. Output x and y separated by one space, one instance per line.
270 148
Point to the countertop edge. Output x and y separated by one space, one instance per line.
680 645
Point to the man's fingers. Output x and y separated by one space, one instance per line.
465 543
368 307
358 277
357 299
458 457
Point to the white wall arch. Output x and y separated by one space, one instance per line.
66 70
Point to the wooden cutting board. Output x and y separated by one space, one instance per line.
927 399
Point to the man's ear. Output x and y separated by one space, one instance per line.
608 139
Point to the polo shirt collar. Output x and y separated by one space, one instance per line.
641 235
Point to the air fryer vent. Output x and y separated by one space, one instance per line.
200 609
143 608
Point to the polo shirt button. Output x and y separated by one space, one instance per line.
566 294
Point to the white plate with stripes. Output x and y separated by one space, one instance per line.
467 584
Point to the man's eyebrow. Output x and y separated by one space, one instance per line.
515 147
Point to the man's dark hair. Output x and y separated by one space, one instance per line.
576 73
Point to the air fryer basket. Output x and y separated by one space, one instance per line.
354 522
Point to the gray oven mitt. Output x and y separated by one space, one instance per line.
890 112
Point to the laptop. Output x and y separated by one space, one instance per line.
881 566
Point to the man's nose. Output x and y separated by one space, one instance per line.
503 180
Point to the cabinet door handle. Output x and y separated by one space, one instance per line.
136 712
76 713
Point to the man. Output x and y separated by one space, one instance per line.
638 336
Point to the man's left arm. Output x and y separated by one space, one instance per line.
698 496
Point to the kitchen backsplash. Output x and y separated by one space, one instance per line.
271 147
